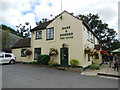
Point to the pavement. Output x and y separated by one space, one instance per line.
104 71
31 76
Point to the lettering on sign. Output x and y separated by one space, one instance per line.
67 27
66 36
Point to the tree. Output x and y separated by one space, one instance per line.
40 22
23 30
104 33
115 44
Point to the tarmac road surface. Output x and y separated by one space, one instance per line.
29 76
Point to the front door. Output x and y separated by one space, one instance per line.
64 56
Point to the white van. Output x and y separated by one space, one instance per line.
7 58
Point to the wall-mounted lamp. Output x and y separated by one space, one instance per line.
64 45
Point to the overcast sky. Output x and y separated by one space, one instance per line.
15 12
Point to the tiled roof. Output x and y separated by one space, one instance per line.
42 26
22 43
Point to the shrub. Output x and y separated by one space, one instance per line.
55 64
43 59
50 62
35 62
95 66
74 62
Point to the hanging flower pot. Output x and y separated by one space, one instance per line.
28 52
103 52
95 53
53 52
87 50
91 54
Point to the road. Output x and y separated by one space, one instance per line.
29 76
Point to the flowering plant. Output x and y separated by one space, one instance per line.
103 52
109 54
28 52
89 50
95 53
91 54
53 52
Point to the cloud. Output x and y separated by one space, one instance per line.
119 20
20 11
13 12
46 8
30 17
10 16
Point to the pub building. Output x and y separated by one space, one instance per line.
71 37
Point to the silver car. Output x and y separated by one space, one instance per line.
7 58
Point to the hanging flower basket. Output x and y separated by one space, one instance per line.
28 52
108 54
91 54
103 52
89 50
95 53
53 52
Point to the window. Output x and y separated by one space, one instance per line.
7 55
23 54
38 34
88 37
97 56
37 52
50 34
88 57
91 38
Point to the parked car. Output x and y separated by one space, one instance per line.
7 58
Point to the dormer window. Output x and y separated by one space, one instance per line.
50 33
38 34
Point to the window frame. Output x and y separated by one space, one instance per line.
92 38
89 58
97 56
37 35
88 35
36 53
50 33
23 54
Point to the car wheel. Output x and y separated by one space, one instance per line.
12 61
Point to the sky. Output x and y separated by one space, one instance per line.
15 12
119 20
